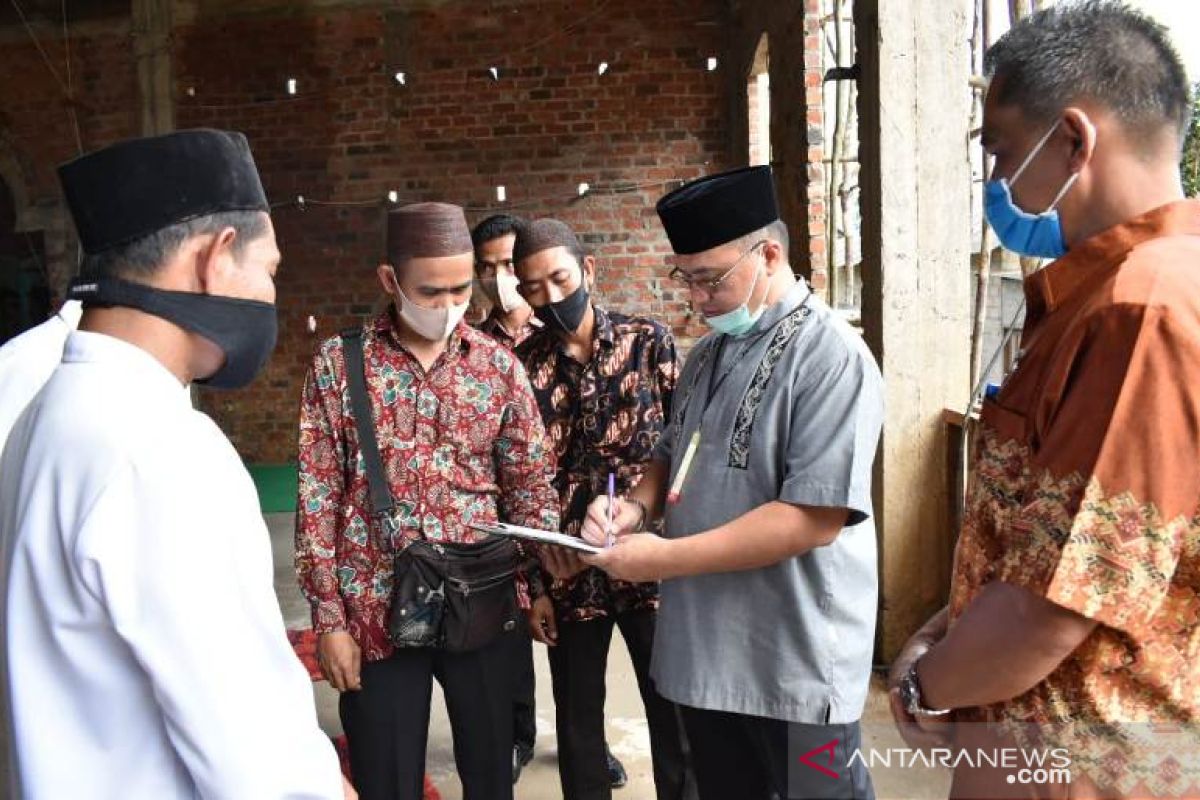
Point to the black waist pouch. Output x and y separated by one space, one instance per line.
458 597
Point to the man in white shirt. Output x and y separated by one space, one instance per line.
144 654
26 362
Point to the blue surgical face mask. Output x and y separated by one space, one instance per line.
741 319
1037 235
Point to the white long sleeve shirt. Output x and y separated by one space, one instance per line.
26 362
144 653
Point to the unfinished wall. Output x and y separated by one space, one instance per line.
38 130
352 133
797 142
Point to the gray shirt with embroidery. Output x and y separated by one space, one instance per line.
795 413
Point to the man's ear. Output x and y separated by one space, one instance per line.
774 256
387 278
588 266
1081 131
214 259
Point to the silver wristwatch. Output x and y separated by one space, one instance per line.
910 695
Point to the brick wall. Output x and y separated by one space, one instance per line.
452 132
37 131
352 133
793 32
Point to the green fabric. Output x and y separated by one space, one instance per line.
276 484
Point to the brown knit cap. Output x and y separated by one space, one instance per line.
542 234
427 230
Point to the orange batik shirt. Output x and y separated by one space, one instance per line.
1086 491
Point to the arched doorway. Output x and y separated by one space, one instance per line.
758 104
24 289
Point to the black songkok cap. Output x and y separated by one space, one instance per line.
139 186
542 234
714 210
427 230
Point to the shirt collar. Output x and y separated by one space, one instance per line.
1049 288
785 305
605 333
492 324
70 312
86 347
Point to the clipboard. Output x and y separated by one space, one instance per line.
535 535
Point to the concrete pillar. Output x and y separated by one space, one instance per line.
152 20
914 113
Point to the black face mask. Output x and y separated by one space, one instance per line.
245 330
565 315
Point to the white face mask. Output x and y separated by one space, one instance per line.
434 324
506 290
501 289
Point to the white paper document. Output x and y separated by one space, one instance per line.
533 534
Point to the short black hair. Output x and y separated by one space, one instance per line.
494 227
777 231
1101 50
142 257
560 235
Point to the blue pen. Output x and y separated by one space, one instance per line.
612 501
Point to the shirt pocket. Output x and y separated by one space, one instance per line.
1000 483
1007 422
465 450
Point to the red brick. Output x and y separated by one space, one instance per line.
451 133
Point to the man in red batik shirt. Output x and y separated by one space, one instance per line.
461 438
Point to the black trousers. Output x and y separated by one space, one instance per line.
578 664
755 758
387 721
524 710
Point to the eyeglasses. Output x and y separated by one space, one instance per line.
489 268
710 285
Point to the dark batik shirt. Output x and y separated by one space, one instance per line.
601 417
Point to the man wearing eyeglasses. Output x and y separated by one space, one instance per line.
762 478
511 320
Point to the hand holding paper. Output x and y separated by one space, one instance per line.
639 558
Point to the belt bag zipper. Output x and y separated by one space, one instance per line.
466 588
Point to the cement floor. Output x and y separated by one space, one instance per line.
625 722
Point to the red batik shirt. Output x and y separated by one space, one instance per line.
1086 491
462 441
492 326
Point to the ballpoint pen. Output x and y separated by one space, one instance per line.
612 500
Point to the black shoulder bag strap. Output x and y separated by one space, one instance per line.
364 423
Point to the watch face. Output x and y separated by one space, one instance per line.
908 694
